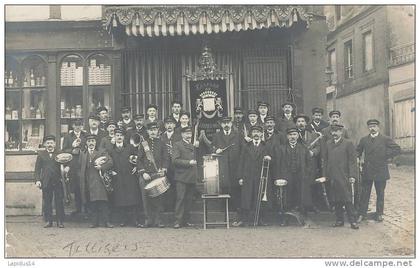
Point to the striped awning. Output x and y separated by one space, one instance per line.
153 21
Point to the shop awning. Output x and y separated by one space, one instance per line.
153 21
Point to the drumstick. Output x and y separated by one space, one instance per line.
227 147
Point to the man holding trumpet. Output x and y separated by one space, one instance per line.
340 167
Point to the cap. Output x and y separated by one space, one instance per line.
152 125
269 118
102 108
169 120
151 106
301 116
262 103
317 110
287 103
94 116
227 119
336 127
252 112
111 122
49 137
186 129
119 130
78 122
237 110
291 130
334 112
372 122
138 116
91 136
185 113
258 128
126 109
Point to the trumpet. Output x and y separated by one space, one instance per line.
262 189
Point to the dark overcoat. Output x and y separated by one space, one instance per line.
326 132
250 164
284 171
282 123
338 166
228 161
160 156
377 152
100 134
74 164
322 124
91 183
106 144
169 143
183 152
47 170
126 187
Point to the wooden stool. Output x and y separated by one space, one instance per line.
225 197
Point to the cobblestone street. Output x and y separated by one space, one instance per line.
394 237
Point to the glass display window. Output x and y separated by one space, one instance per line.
99 82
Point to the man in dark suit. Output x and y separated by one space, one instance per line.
152 116
249 174
335 119
126 121
340 167
140 128
271 135
186 176
48 178
262 108
251 122
73 143
168 138
176 112
285 119
317 123
104 118
377 149
238 120
109 140
152 160
94 129
227 143
92 185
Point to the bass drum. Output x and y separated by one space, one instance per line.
157 187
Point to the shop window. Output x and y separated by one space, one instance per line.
367 51
99 83
348 59
26 103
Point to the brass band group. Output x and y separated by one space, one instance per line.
288 164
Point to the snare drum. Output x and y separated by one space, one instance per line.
211 174
157 187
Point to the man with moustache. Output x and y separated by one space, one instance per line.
186 176
377 149
92 185
48 178
249 174
227 143
108 141
176 112
335 119
126 194
94 121
140 128
238 120
104 117
126 123
168 138
262 108
285 120
152 162
152 116
340 167
317 123
272 137
252 121
73 143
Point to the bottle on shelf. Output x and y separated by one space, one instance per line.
6 79
25 82
32 112
10 82
38 113
32 81
43 80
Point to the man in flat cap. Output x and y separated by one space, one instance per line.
285 119
140 129
48 178
318 123
152 163
94 193
249 175
238 120
252 121
335 118
94 129
108 141
176 109
340 167
186 176
126 194
262 108
272 136
104 117
227 143
168 138
126 121
376 149
73 143
152 116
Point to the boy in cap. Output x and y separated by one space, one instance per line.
48 178
377 149
340 167
317 123
152 160
285 120
186 176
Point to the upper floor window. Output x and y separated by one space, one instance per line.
348 59
367 51
332 66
